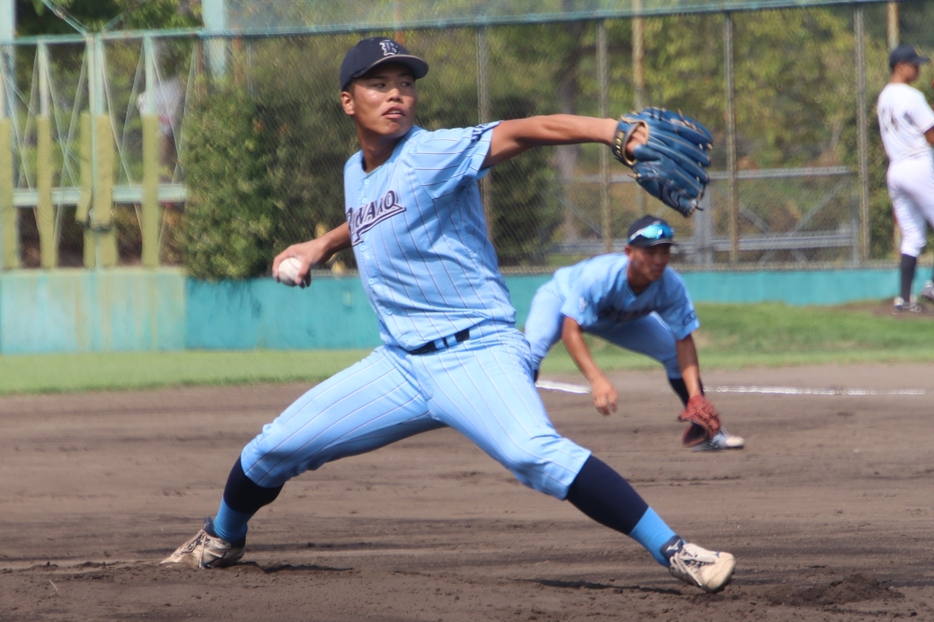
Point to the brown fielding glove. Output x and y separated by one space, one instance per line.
705 422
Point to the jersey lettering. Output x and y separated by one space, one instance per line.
362 219
622 315
689 319
904 117
889 123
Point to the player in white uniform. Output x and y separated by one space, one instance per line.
452 355
633 300
906 122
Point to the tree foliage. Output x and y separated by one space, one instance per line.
299 139
228 225
795 85
34 17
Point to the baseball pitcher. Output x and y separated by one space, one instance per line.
451 354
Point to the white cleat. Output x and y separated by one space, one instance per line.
206 550
928 292
900 306
721 440
708 570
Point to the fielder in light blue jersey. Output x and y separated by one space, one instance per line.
633 300
451 354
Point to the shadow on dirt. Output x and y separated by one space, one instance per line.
854 588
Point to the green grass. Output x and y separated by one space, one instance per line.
731 337
52 373
734 336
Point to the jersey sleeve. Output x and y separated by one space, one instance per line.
582 302
922 117
446 159
675 306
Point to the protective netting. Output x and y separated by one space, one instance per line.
268 16
274 99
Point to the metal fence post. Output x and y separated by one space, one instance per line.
215 21
9 229
89 176
731 137
7 20
703 233
103 237
149 224
483 103
892 15
45 217
603 79
9 225
862 137
638 74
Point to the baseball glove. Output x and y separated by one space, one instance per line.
703 418
671 165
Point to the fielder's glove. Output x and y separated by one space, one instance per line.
703 418
671 165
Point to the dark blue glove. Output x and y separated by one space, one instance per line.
671 166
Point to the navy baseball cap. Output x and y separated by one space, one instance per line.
650 231
371 52
906 54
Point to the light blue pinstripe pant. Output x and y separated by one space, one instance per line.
481 387
647 335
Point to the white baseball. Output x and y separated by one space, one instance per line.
289 271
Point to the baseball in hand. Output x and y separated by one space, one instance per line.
289 271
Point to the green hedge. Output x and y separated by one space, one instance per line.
228 224
264 157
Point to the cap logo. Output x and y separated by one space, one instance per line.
389 47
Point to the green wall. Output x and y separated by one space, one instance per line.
795 287
331 313
139 309
91 310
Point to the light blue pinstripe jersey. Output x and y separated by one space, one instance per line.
596 294
420 237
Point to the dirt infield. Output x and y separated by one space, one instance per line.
828 511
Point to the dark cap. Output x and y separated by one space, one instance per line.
650 231
906 54
369 53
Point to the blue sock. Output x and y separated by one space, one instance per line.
230 524
652 533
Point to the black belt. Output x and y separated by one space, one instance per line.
432 346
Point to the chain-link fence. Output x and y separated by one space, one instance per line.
248 142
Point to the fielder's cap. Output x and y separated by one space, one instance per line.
650 231
906 54
371 52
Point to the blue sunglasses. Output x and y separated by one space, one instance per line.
655 231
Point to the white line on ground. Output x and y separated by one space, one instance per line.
567 387
807 391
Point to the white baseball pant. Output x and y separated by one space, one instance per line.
911 188
481 387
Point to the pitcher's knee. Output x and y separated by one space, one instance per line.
275 466
912 245
672 368
548 467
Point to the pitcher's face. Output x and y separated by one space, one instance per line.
383 101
